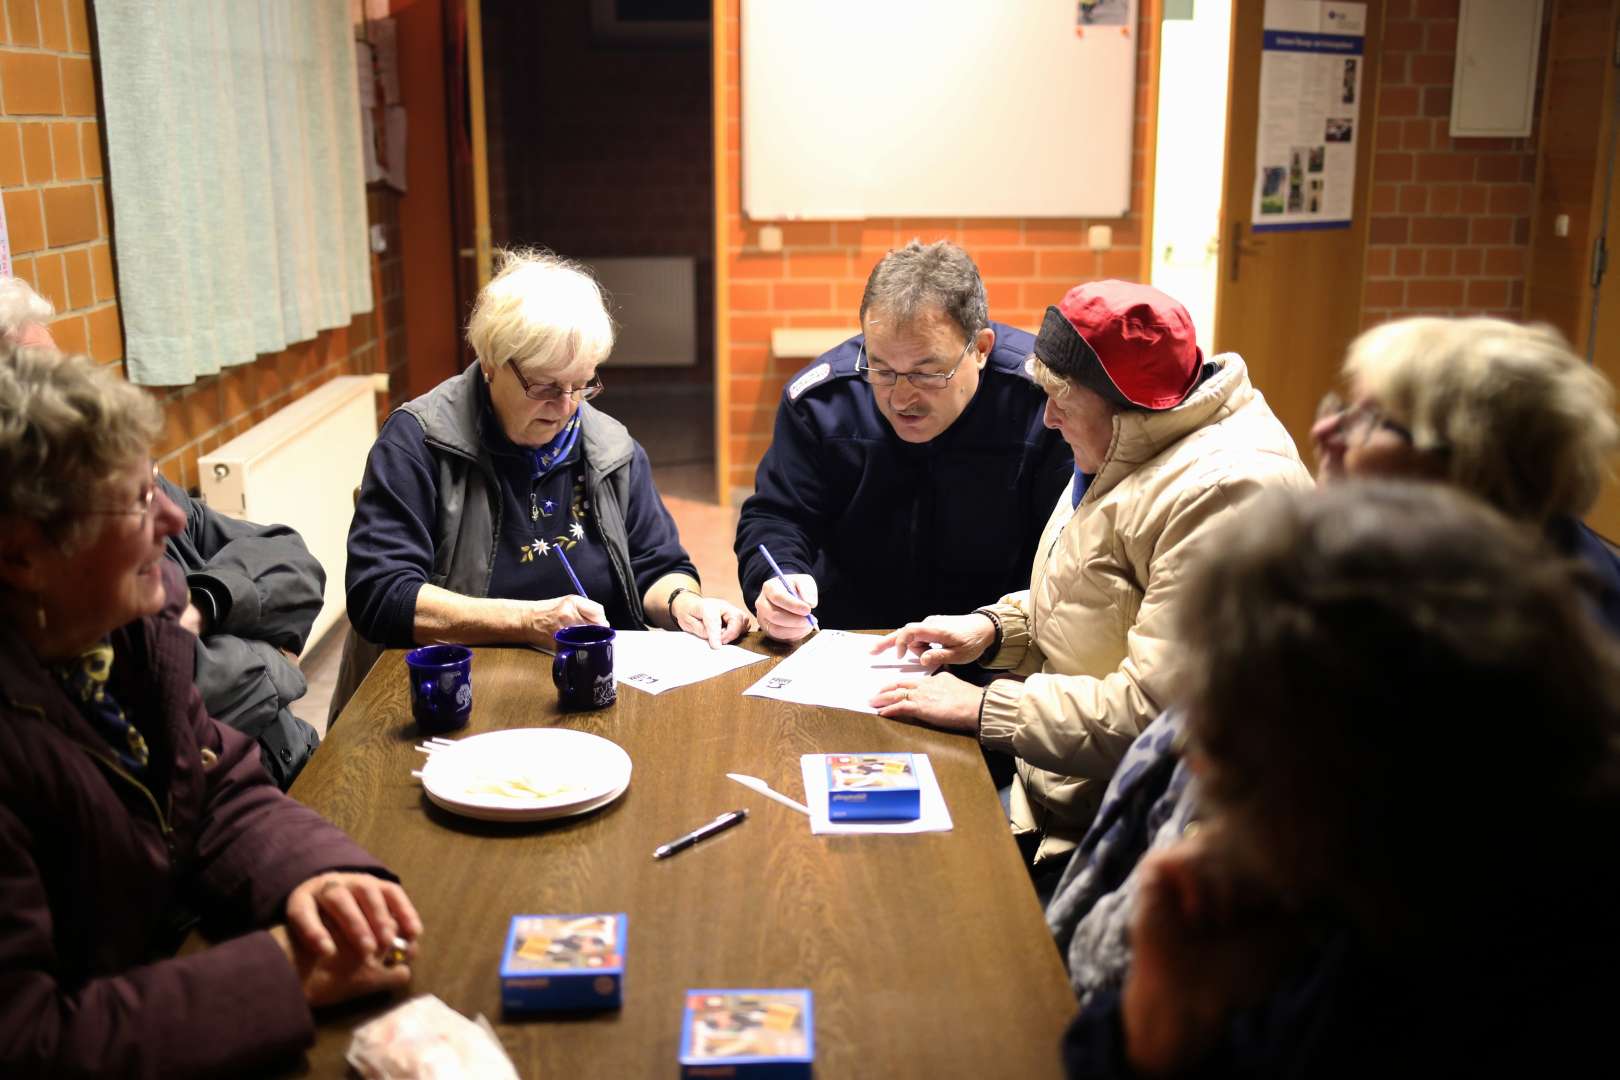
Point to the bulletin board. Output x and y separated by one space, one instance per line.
937 108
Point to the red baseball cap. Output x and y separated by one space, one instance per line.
1129 343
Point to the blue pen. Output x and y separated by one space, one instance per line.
571 575
763 550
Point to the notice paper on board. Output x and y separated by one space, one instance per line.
1310 101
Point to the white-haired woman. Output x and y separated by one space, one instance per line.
482 494
24 314
124 808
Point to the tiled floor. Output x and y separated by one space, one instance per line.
676 428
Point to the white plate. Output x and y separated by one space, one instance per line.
590 771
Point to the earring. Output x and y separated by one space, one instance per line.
39 615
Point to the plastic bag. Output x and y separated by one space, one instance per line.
425 1039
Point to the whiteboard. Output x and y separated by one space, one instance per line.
937 108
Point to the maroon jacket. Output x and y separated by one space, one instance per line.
94 866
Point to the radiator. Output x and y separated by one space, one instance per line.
300 467
653 301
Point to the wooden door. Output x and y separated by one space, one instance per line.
1289 302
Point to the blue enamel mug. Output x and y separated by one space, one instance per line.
583 667
441 687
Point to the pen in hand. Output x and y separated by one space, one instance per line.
568 567
777 570
719 824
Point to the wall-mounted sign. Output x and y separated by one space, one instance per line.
1310 97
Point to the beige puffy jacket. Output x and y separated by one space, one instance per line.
1094 633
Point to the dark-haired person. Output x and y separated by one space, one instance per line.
123 806
1405 722
909 471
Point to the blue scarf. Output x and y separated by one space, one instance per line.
1081 482
548 458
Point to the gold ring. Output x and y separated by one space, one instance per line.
396 953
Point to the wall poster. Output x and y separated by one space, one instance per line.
1310 97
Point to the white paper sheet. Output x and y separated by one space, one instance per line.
934 816
659 660
835 668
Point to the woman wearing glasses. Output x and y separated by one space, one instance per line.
1505 412
124 809
481 495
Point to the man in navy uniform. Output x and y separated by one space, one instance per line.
911 468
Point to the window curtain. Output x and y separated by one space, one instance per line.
235 172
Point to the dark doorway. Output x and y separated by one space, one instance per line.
599 124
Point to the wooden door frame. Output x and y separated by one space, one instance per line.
721 43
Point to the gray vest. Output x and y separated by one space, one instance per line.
469 513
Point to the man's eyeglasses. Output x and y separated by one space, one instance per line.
553 392
923 380
1357 423
142 507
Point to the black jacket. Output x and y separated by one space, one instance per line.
895 531
259 589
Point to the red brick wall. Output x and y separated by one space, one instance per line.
817 277
52 182
50 170
1450 228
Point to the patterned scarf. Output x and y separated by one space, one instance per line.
85 680
549 457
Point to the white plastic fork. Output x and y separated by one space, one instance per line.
429 748
765 789
435 744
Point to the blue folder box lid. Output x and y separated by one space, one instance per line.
747 1034
563 962
872 787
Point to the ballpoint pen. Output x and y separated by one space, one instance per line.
763 550
719 824
571 575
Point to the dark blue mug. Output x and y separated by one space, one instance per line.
441 686
583 667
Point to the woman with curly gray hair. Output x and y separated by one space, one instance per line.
121 801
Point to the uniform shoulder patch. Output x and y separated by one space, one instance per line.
808 379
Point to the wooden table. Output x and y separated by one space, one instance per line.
927 953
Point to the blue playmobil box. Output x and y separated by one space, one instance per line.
747 1034
872 787
563 962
